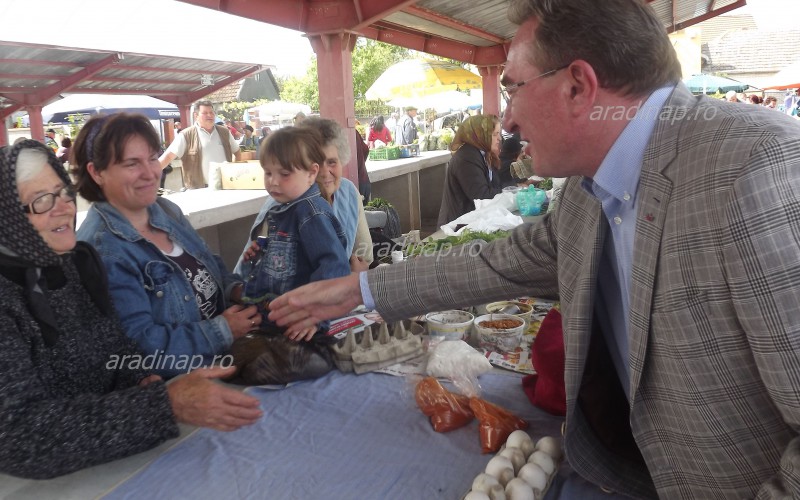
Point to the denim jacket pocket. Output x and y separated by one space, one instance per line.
156 275
281 260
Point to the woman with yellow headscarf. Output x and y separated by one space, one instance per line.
472 173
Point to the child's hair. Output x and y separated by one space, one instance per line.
294 148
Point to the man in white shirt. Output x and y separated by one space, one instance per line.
200 145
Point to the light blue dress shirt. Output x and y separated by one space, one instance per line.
615 184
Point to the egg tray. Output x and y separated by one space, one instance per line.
535 494
377 348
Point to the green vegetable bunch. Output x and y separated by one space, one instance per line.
432 246
379 203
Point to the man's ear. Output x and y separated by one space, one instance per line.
583 86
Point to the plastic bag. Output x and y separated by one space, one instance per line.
447 410
457 361
530 200
496 424
264 359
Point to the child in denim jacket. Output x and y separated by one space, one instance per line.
302 241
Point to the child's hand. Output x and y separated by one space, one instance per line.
304 334
251 252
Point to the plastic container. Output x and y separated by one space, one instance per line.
530 200
499 339
449 325
387 153
525 310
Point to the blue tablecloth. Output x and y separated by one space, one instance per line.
341 437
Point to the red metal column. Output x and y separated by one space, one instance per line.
3 131
491 88
335 69
186 117
37 125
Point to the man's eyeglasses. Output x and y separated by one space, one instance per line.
47 201
508 91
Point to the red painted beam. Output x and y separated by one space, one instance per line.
430 15
376 10
706 16
170 70
40 62
7 111
43 95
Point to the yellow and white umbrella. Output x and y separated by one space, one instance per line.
421 77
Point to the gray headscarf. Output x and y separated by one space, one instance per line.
18 238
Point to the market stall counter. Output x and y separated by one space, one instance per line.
412 185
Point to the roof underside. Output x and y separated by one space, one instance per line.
475 32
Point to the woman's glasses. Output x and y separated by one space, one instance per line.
47 201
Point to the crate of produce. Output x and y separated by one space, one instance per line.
409 150
387 153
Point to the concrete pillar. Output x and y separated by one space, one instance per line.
335 69
491 88
37 125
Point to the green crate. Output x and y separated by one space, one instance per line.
388 153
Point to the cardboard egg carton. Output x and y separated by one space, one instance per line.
371 353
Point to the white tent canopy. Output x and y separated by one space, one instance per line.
276 112
97 103
444 101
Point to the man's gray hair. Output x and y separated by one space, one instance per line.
623 40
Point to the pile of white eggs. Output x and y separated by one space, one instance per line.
519 471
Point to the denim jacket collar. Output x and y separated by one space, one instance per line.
119 225
311 192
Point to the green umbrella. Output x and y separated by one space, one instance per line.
711 84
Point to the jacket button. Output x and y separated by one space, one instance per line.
160 294
186 298
563 428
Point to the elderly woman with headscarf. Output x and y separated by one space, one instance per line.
472 173
66 403
174 297
340 192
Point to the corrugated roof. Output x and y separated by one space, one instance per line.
35 75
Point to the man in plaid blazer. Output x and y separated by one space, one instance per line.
675 252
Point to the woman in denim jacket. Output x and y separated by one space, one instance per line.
302 241
172 294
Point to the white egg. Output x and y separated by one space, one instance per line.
544 461
515 455
496 466
518 489
534 476
477 495
505 476
483 482
497 492
551 446
527 448
516 438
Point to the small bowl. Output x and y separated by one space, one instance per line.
497 338
525 310
449 325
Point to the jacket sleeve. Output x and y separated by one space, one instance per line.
470 174
764 276
46 435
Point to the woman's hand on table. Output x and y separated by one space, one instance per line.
197 400
241 319
304 307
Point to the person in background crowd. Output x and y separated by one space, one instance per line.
673 250
63 152
755 99
50 139
298 118
406 127
364 184
509 153
732 96
199 145
791 102
173 296
472 173
771 102
378 131
233 130
391 122
248 141
65 405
